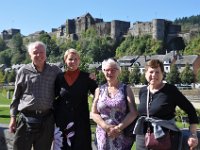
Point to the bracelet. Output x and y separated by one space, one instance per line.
193 135
118 129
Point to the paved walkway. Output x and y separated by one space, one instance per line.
6 138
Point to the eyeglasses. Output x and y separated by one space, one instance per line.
111 70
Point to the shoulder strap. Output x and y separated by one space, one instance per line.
125 92
147 105
125 97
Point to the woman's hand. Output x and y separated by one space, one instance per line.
108 129
92 76
114 132
192 141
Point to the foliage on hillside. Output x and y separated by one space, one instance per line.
2 44
188 23
193 47
96 47
138 46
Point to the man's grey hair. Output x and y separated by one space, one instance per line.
33 44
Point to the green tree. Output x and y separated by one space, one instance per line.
11 76
101 78
2 45
134 76
18 58
45 38
54 48
5 57
143 79
173 76
187 75
101 48
124 76
18 53
27 58
17 43
52 51
66 45
188 23
85 60
94 46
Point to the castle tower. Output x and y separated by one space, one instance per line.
70 26
158 29
119 28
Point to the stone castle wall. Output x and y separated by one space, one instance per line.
159 29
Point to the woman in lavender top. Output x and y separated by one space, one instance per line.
109 110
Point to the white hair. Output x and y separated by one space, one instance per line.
34 44
110 62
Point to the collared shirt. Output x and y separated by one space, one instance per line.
71 76
34 90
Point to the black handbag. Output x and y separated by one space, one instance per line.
128 131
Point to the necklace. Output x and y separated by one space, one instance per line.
153 91
150 99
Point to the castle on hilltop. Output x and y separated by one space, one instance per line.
8 34
159 29
73 27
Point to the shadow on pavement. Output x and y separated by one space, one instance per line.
6 138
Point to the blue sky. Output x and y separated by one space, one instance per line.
35 15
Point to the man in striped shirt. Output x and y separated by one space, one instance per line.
33 100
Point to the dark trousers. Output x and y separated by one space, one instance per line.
176 141
42 140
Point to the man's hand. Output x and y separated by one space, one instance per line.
12 125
